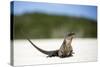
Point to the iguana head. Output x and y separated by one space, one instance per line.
71 34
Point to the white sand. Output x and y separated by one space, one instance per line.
25 54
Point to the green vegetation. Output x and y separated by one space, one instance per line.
38 25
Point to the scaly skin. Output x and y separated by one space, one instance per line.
64 51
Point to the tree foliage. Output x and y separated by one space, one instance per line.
39 25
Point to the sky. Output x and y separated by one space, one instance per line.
21 7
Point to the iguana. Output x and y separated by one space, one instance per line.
64 51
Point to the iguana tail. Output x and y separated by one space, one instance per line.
41 50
